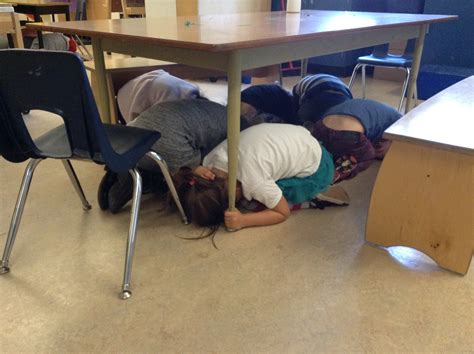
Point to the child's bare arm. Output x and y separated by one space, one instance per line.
236 220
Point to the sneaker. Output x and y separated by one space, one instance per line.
335 195
104 187
120 193
159 185
153 182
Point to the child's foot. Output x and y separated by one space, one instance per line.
334 196
121 192
104 187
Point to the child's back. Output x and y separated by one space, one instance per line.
267 153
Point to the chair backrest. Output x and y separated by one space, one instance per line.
133 8
400 6
9 23
55 82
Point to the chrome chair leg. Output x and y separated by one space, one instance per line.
126 293
169 181
75 182
82 48
16 217
404 89
363 81
354 74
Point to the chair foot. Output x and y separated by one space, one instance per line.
77 185
4 269
169 181
125 294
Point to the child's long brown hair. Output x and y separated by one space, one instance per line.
204 201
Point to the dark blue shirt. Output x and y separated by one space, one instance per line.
374 116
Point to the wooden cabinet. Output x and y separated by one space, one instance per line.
98 9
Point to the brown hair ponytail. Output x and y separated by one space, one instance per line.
204 201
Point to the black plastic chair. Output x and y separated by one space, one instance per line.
56 82
382 58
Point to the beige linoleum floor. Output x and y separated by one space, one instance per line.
308 285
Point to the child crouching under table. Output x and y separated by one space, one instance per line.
279 165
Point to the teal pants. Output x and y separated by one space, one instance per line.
301 189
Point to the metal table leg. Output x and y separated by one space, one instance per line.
101 75
415 68
234 75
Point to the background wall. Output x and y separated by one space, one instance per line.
208 7
451 43
157 8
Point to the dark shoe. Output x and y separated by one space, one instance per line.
104 187
120 193
157 184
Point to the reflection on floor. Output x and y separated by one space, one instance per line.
310 284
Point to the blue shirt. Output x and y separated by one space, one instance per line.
374 116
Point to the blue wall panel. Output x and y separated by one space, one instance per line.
450 43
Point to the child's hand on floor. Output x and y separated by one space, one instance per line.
233 219
204 172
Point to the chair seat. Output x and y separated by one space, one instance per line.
130 142
55 144
125 139
387 60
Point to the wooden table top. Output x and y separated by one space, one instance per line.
218 33
445 120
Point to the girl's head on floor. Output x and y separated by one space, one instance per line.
204 201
